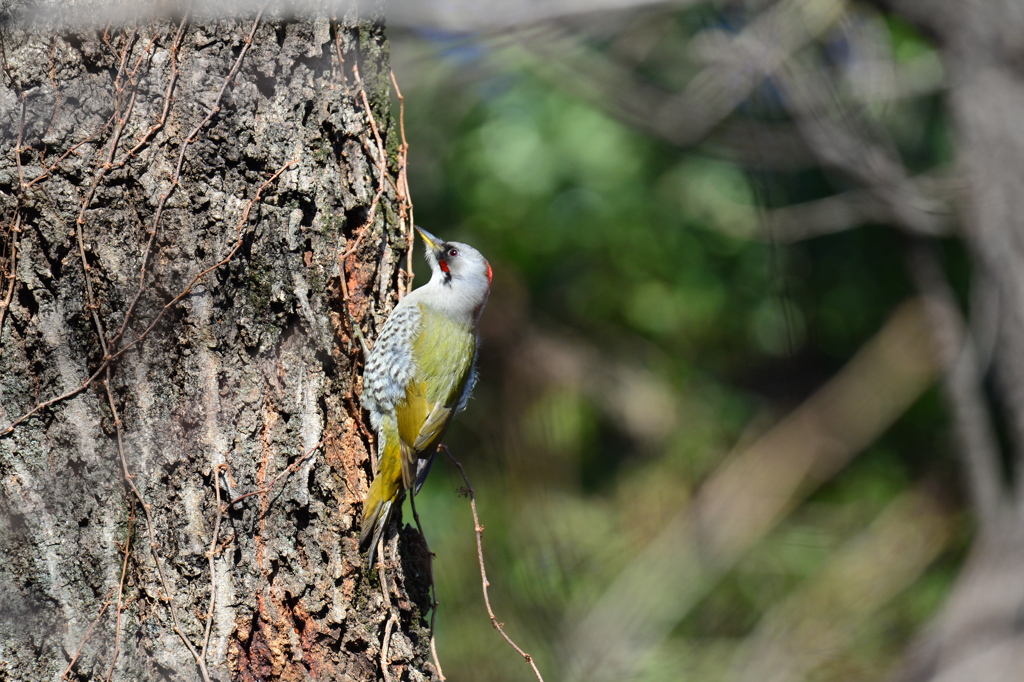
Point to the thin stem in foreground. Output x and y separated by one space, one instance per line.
433 586
483 570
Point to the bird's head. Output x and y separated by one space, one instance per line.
461 272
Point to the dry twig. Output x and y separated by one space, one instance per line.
9 269
110 357
392 612
287 472
379 156
88 633
392 619
211 556
483 571
433 586
153 545
120 591
106 344
404 196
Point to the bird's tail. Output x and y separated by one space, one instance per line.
380 500
374 526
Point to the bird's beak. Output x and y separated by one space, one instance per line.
432 242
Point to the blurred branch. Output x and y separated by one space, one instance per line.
856 207
938 18
736 65
762 56
812 625
963 387
874 167
984 304
562 57
761 145
504 14
822 216
977 635
752 491
750 494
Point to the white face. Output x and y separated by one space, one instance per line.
460 263
461 275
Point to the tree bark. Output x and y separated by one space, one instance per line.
198 224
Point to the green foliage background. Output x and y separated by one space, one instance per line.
642 258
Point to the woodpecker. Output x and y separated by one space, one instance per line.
419 373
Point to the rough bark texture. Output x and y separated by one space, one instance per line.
131 164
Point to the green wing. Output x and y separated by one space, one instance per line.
445 351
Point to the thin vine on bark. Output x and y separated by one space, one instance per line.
199 218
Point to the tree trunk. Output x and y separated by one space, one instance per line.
196 233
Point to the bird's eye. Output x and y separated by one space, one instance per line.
452 253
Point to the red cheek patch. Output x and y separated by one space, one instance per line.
444 265
490 275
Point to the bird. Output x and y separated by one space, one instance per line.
419 374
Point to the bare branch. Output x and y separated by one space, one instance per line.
968 407
120 591
483 570
859 206
433 586
869 164
85 638
129 478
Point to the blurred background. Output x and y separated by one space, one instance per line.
710 439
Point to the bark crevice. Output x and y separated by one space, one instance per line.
201 227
